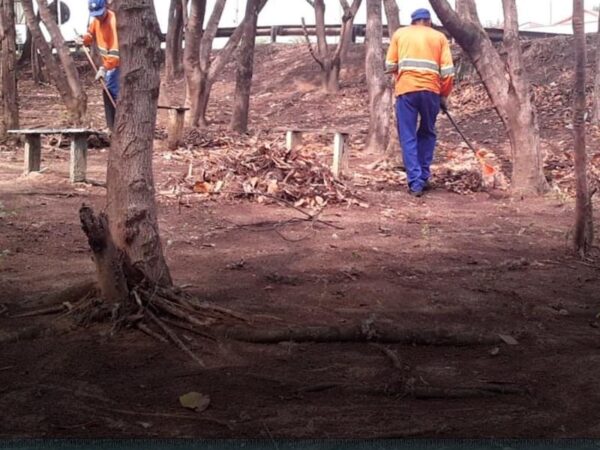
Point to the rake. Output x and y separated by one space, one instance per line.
488 169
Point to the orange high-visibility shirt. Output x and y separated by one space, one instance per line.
421 58
105 34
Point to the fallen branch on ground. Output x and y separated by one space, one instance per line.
360 333
424 392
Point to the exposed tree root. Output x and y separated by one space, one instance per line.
171 334
392 355
151 333
362 333
424 392
27 334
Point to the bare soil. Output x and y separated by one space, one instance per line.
477 262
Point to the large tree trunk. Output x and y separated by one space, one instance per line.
584 226
596 101
508 88
392 14
380 96
9 116
56 74
174 40
245 69
131 206
67 62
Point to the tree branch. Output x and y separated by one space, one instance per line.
310 47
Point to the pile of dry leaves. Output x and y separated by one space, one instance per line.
258 170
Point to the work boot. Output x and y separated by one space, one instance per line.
415 193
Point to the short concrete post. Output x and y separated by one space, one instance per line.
274 32
175 132
33 153
293 139
78 162
340 157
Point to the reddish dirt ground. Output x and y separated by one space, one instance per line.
465 262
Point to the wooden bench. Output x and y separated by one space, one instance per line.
293 138
79 147
176 123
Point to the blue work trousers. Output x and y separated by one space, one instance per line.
417 144
112 84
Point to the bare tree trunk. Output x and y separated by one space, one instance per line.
331 62
37 72
206 71
131 206
245 69
69 98
596 101
9 102
67 62
191 59
584 226
392 14
380 96
508 88
174 40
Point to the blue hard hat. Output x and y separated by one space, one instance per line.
97 7
420 14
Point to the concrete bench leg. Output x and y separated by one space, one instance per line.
78 163
293 139
175 132
340 156
33 153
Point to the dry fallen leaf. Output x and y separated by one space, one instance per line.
195 401
202 187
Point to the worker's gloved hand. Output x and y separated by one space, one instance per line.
444 104
101 74
79 40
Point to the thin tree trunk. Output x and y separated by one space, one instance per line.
174 40
584 227
596 101
56 74
37 73
392 14
245 69
131 205
207 70
9 116
331 62
380 96
191 59
67 62
508 89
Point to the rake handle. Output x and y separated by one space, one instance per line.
459 131
102 82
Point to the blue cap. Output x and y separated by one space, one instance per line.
420 14
97 7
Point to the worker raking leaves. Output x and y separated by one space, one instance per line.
420 58
103 31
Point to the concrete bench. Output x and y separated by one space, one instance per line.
79 147
176 123
293 138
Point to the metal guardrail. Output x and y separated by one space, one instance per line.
358 30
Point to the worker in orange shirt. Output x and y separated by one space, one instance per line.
103 30
420 58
